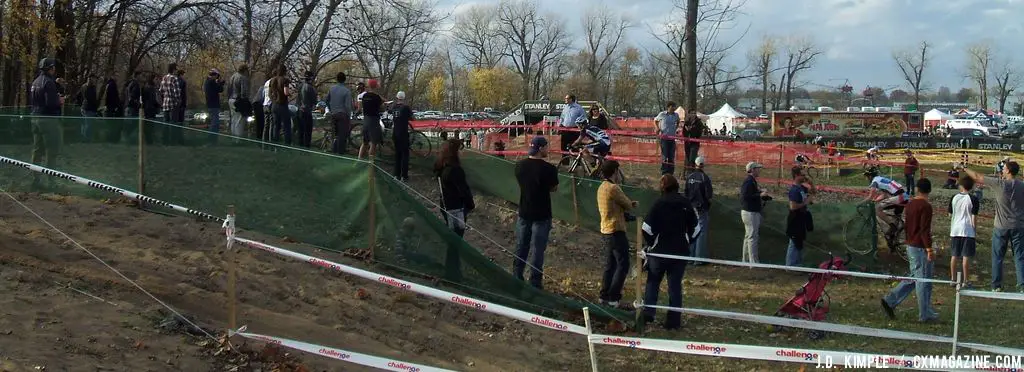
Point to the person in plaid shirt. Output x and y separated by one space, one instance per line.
170 93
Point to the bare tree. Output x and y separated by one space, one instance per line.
979 56
604 31
391 40
762 59
800 55
477 35
534 41
1007 81
912 62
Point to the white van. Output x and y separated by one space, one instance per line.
967 124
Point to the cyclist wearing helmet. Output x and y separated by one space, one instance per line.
594 139
887 194
802 160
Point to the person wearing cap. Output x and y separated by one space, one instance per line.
340 107
306 101
537 179
910 167
212 87
46 132
699 191
401 126
373 134
666 124
751 203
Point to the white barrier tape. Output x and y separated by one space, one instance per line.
996 295
105 187
424 290
807 324
992 349
343 355
777 354
801 269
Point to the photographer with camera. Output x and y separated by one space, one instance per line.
752 200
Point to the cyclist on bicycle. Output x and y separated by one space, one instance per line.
598 143
887 195
803 161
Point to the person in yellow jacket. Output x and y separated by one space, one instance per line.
612 203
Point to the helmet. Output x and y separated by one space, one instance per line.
47 63
871 171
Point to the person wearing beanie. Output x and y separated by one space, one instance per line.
537 179
401 126
699 191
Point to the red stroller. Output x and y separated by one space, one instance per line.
811 301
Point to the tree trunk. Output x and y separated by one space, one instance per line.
314 63
247 34
764 92
286 47
691 54
115 43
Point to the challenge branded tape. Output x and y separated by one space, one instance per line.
992 349
776 354
994 295
343 355
520 315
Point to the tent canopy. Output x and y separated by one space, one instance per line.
727 112
935 114
724 117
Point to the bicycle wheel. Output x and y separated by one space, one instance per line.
420 144
355 136
859 235
326 142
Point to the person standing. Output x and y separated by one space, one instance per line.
373 135
537 179
260 109
751 204
613 204
1008 230
920 254
668 228
133 95
798 222
306 101
179 132
666 124
339 104
456 196
699 192
212 87
112 101
693 128
572 116
597 118
170 97
46 131
963 213
910 167
278 94
238 100
89 98
151 104
401 126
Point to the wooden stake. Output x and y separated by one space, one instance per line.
373 210
575 200
639 271
232 274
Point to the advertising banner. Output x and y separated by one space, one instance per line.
831 123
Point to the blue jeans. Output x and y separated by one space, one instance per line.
910 183
86 127
531 235
282 122
668 156
658 268
700 247
616 265
213 113
1001 238
795 252
920 267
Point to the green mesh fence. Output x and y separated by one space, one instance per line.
324 200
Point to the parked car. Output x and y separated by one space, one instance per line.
1012 131
967 133
750 134
914 134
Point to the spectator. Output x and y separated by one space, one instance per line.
89 99
572 115
306 101
963 211
751 203
238 100
112 98
133 95
150 104
694 128
401 125
183 86
537 180
668 228
597 118
456 197
170 97
278 93
920 254
339 104
212 87
910 168
373 134
46 132
260 109
1009 224
666 124
613 205
798 223
699 192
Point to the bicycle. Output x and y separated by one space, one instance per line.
579 167
861 232
419 144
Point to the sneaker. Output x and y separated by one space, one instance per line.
997 289
888 310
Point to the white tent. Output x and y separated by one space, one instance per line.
724 116
935 118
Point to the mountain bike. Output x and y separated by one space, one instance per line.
419 144
581 168
861 231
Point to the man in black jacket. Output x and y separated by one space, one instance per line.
307 102
669 227
799 221
133 95
212 88
699 191
90 101
751 203
693 127
46 102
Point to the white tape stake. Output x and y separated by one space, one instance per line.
590 345
520 315
837 273
106 187
343 355
956 312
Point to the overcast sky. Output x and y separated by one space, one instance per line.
858 36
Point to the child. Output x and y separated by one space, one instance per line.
963 210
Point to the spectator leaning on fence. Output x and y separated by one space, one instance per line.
1008 229
612 204
798 222
537 180
339 104
666 124
751 204
910 167
700 191
963 211
920 254
669 227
